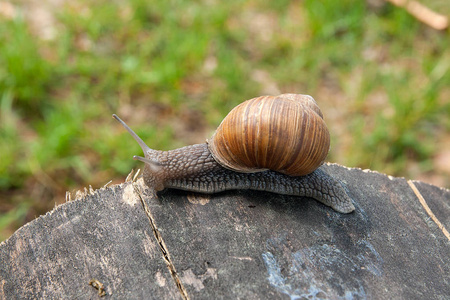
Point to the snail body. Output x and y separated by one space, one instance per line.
208 168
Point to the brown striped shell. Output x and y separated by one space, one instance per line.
284 133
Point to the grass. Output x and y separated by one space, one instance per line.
173 69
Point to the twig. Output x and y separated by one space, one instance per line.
423 13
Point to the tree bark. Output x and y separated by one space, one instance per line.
123 242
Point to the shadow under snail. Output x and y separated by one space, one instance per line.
269 143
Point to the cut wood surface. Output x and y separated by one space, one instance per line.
122 242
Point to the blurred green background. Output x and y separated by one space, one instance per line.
173 69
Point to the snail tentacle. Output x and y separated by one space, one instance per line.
269 143
141 143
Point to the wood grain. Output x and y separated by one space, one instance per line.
235 245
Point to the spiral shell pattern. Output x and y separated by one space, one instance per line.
284 133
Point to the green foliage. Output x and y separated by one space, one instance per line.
14 216
10 145
23 72
172 68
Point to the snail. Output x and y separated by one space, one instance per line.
269 143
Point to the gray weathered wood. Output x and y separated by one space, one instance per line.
104 236
237 244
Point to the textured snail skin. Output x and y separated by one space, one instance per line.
193 168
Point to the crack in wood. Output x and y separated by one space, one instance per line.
162 246
428 210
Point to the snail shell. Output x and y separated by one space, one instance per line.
284 133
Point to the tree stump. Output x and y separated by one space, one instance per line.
123 242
